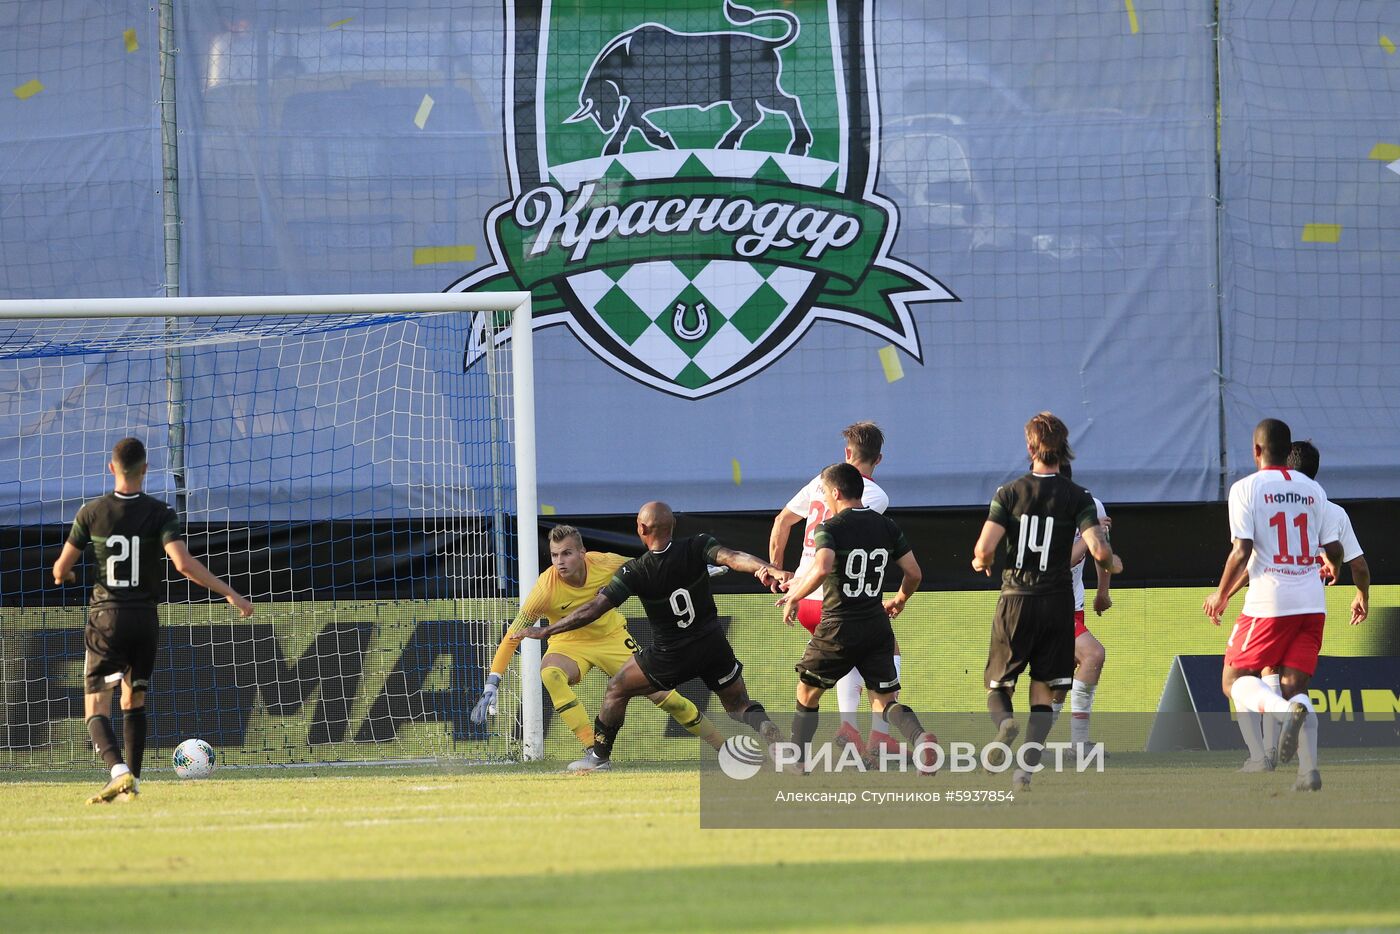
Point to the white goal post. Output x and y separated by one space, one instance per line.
21 321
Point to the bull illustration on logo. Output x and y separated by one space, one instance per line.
692 254
653 68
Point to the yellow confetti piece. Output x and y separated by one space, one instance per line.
1322 233
27 90
429 255
889 360
425 107
340 22
1132 17
1387 45
547 510
738 474
1385 152
129 37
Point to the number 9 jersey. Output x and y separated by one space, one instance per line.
128 533
1284 514
674 587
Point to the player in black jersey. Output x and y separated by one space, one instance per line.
853 549
1032 522
673 582
128 531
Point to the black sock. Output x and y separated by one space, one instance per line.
104 739
755 716
134 733
904 720
804 726
999 704
604 735
1036 732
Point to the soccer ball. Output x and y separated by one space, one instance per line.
194 758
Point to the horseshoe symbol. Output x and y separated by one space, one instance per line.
702 322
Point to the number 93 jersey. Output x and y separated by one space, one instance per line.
674 587
866 544
128 532
1284 514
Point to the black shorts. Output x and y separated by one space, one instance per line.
835 648
121 644
710 658
1036 631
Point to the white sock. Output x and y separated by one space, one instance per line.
1254 704
1271 724
1251 728
848 698
1250 693
1081 704
1055 708
1307 742
120 769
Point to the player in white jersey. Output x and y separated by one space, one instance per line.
1088 651
864 443
1305 457
1277 520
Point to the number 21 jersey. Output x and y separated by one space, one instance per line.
128 532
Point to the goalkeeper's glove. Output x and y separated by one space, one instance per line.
487 704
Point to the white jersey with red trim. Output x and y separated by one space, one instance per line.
1285 515
1340 524
1076 573
808 502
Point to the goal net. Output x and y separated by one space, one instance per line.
335 460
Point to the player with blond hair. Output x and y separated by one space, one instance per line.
574 577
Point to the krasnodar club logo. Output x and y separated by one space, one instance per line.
740 757
693 188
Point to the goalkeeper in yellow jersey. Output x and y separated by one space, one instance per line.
573 578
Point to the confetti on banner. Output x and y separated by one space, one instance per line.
547 510
424 108
129 37
429 255
340 22
1385 152
1132 17
738 474
889 361
1387 45
1322 233
27 90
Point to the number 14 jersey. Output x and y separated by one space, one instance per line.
1041 513
1284 514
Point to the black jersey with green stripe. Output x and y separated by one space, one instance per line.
1041 513
128 533
867 544
674 587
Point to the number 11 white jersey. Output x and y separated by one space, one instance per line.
1285 515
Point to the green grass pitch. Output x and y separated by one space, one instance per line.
525 848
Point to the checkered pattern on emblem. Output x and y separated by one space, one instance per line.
690 321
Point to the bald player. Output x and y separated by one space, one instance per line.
673 582
574 576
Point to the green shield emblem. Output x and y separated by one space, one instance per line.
693 185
